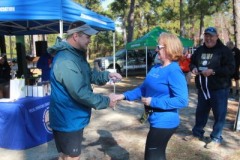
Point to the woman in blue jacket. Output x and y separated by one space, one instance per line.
163 92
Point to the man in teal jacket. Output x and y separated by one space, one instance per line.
72 97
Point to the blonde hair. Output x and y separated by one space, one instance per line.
172 45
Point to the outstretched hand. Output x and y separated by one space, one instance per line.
115 77
118 97
146 100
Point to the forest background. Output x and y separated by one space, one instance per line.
134 18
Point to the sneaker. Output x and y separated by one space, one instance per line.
231 98
213 144
192 138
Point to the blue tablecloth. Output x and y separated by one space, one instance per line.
25 123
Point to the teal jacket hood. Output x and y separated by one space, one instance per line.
59 45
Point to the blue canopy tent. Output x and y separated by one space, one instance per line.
46 17
26 17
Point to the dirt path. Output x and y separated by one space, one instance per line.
118 134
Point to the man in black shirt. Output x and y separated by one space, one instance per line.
213 64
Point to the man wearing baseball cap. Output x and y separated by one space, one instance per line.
72 97
211 31
213 65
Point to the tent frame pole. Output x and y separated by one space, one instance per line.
126 63
61 28
146 60
114 60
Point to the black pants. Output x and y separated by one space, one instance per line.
156 143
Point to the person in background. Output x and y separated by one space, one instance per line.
5 77
184 63
213 64
44 63
163 92
150 59
5 70
72 97
235 76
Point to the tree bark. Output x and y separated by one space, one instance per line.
131 21
182 29
236 18
201 25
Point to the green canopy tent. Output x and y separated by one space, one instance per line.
149 41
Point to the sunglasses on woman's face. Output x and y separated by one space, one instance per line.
159 47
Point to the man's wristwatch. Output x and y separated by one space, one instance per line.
213 72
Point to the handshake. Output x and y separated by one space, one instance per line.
114 98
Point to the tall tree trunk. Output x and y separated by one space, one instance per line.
192 30
236 19
201 27
182 30
124 31
131 21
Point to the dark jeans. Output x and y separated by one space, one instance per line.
218 104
